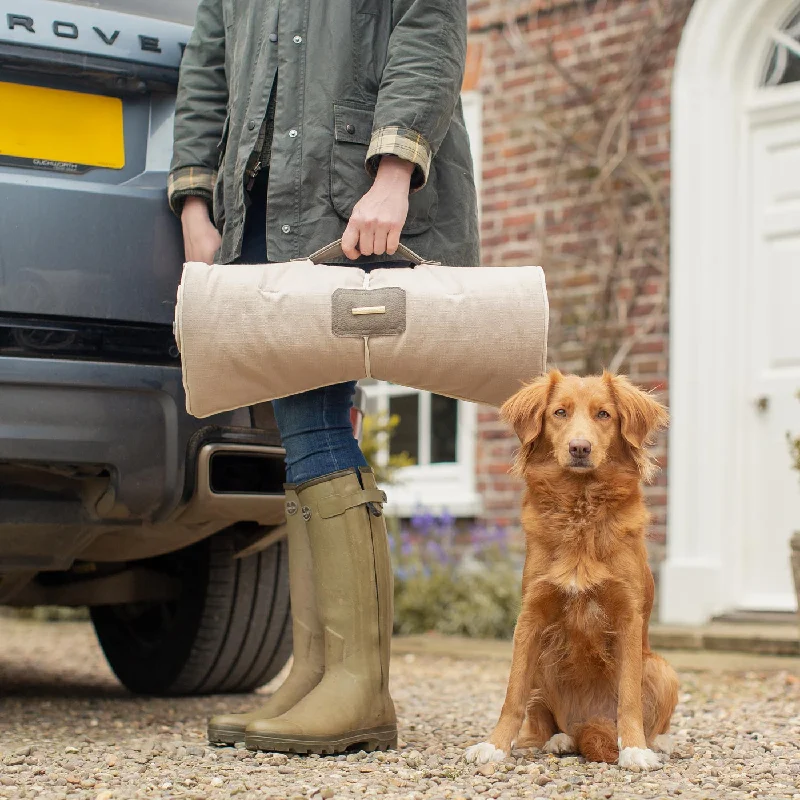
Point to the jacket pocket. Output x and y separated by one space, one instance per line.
350 180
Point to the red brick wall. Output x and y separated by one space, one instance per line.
530 217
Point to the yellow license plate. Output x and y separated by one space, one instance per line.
56 129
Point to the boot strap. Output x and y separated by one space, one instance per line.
337 504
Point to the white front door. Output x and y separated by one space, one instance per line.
735 310
772 361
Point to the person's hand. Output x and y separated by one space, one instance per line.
201 239
379 216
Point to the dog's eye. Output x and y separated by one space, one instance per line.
561 412
603 415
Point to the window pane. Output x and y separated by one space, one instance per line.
405 438
444 429
784 64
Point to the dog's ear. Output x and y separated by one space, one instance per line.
641 415
525 410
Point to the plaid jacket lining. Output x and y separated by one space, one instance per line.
188 182
404 143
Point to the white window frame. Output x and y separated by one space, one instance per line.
450 487
441 487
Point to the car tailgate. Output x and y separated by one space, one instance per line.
85 229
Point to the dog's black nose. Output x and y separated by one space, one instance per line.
580 448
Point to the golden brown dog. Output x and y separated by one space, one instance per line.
583 679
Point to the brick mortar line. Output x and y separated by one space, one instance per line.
500 21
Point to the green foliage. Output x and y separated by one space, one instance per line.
376 432
456 584
482 605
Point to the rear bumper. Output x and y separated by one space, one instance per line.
129 419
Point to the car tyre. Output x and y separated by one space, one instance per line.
229 629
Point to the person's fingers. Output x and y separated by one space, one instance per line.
379 246
350 241
393 239
366 240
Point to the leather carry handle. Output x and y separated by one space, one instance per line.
334 250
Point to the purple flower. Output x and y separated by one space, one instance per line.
436 550
422 520
478 535
498 535
446 520
406 543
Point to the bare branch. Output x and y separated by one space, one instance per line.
590 138
625 348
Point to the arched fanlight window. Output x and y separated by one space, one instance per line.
783 65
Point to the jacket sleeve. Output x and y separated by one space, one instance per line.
200 109
421 83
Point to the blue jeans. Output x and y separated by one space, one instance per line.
315 426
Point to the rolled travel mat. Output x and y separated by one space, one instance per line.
248 334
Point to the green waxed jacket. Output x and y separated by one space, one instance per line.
355 80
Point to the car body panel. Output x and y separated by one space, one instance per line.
92 243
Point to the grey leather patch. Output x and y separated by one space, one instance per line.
368 312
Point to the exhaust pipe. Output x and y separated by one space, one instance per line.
237 472
238 483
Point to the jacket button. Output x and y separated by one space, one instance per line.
273 37
292 133
286 228
251 126
351 129
298 40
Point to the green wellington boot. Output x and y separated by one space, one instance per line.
308 640
351 706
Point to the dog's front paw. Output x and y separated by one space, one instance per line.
638 757
560 744
483 753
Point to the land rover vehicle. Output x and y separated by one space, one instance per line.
111 496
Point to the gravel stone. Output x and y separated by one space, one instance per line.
737 736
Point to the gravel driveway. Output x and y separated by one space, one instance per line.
68 730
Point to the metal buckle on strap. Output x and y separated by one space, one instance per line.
335 505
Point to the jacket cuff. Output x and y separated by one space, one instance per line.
190 182
403 143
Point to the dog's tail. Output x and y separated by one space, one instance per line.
597 740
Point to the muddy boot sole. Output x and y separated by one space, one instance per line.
384 738
223 734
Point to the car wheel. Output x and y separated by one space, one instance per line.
229 629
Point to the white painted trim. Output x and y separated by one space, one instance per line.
450 487
440 487
719 67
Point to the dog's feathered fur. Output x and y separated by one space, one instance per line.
582 664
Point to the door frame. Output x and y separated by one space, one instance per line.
716 86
